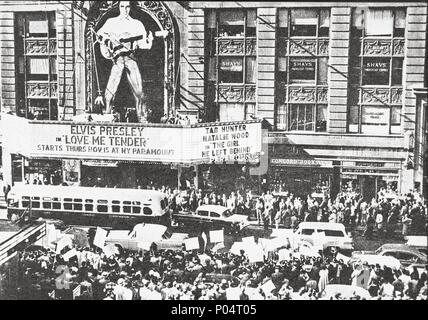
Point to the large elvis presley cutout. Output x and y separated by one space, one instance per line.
122 61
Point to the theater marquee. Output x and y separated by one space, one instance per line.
224 142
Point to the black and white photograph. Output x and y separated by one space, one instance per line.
213 151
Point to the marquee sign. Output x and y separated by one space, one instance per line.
219 142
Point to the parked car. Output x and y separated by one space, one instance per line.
374 259
212 216
406 254
418 242
329 235
146 236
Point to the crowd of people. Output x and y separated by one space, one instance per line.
382 216
188 275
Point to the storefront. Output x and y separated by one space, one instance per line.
301 176
370 177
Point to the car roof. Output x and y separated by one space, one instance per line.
401 247
212 207
322 225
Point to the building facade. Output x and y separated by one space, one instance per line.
335 81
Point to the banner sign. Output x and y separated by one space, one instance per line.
216 236
100 237
191 243
230 143
220 142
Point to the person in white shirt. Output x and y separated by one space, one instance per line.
119 37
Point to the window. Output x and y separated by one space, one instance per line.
302 69
307 232
231 23
136 209
36 56
147 211
231 70
47 205
378 22
301 117
203 213
304 22
376 71
35 204
68 204
56 203
333 233
231 59
231 112
102 206
214 215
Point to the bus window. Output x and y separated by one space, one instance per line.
77 200
56 204
89 201
77 206
89 207
136 209
68 205
136 203
25 203
163 206
102 206
47 204
147 211
115 206
35 198
35 204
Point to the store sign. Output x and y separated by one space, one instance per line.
375 115
301 162
302 69
238 141
231 64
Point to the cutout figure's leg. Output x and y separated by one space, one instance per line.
113 83
136 83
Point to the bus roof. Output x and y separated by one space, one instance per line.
86 192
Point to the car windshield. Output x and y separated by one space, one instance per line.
166 235
378 251
227 213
